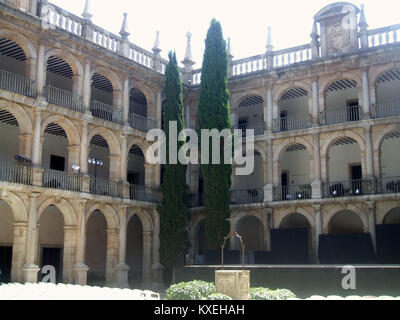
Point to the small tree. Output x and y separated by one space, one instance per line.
214 113
174 214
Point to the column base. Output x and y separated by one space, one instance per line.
122 275
316 187
80 274
31 273
269 193
157 276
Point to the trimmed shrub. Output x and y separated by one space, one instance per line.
268 294
193 290
218 296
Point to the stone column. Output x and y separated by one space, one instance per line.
115 167
77 87
316 184
267 231
30 268
268 113
80 268
365 93
315 102
19 250
269 187
372 222
84 149
25 145
86 88
148 172
112 256
36 138
369 155
73 156
157 268
125 102
318 229
122 267
147 239
69 253
41 71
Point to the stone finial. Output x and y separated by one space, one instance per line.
228 48
156 46
363 21
124 29
87 11
269 40
188 54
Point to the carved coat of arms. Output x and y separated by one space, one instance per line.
338 39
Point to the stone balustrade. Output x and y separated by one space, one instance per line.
383 36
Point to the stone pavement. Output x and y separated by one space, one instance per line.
47 291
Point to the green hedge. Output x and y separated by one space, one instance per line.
201 290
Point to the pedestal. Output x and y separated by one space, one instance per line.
80 274
233 283
122 275
31 273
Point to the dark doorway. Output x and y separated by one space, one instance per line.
285 183
356 179
243 125
52 257
353 113
5 264
133 178
57 163
284 120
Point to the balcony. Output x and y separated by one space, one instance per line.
348 114
11 172
142 193
64 98
292 123
61 180
382 110
105 187
293 192
106 112
17 83
389 185
258 128
247 196
141 123
349 188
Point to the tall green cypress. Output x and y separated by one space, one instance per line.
214 113
173 211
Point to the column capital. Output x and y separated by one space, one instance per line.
317 208
111 231
70 228
34 195
371 205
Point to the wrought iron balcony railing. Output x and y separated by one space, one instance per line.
16 83
11 172
106 112
349 188
388 185
105 187
141 123
142 193
291 123
64 98
348 114
389 109
247 196
258 128
61 180
293 192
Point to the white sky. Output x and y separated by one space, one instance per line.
245 22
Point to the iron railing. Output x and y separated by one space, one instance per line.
105 187
11 172
349 188
61 180
141 123
388 185
293 192
105 112
142 193
290 123
258 128
16 83
348 114
247 196
382 110
64 98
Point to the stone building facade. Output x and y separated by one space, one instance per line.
76 102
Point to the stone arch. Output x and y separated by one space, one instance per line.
17 206
383 209
281 148
324 85
141 143
336 209
382 133
292 85
144 217
109 136
239 97
65 208
110 75
69 127
24 121
384 220
326 146
280 218
109 213
377 71
69 58
22 41
148 93
241 215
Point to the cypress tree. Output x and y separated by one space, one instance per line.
214 113
173 211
